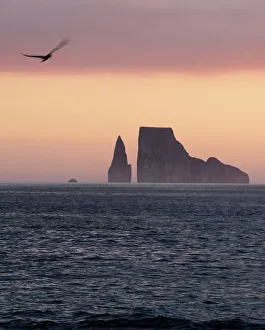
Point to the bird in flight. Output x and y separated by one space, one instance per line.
44 58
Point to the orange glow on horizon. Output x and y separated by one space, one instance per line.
55 127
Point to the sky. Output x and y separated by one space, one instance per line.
194 65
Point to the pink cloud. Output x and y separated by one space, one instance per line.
162 35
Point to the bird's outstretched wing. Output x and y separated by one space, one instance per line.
37 56
61 44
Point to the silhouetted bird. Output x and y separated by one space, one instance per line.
46 57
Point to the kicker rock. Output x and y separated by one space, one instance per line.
161 158
119 170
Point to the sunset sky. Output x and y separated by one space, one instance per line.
197 66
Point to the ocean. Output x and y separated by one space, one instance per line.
120 256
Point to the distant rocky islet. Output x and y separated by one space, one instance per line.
163 159
72 180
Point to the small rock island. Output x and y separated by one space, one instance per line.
163 159
72 180
120 170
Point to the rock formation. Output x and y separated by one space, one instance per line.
119 170
73 180
161 158
214 171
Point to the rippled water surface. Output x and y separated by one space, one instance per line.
132 257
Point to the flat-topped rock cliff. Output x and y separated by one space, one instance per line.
120 170
161 158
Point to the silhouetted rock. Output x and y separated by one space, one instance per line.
222 173
161 158
199 171
119 170
72 180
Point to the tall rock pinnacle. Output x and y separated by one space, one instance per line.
120 170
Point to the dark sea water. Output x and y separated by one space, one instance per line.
132 257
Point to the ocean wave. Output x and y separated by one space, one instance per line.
132 322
